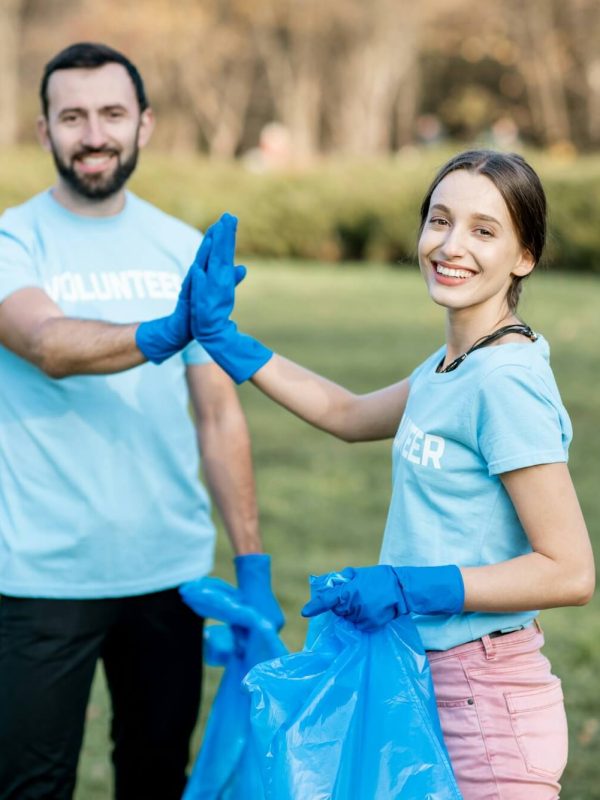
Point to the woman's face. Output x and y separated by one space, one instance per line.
469 249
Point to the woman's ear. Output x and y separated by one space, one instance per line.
525 265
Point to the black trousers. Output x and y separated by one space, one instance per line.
151 647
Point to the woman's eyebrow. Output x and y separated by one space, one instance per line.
485 217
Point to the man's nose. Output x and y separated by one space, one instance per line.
93 133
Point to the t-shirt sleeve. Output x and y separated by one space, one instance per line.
519 420
17 263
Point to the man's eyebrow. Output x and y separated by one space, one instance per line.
71 110
80 110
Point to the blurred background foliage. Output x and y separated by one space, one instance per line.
341 76
321 124
338 209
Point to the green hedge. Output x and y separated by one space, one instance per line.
336 210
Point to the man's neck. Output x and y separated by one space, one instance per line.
86 207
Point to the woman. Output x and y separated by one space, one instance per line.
484 526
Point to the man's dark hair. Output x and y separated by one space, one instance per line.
89 55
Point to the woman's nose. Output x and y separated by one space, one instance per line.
454 245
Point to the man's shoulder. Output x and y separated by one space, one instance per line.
20 224
25 213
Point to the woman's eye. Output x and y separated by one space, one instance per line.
438 221
485 232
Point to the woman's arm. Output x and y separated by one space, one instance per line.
311 397
330 407
560 570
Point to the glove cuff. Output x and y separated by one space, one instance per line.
252 568
432 590
236 353
152 339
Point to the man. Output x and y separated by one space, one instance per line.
101 513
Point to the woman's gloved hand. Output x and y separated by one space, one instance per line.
212 301
370 597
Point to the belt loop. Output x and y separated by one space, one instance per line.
488 647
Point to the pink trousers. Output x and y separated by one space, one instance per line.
503 717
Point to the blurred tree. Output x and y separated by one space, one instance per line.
293 38
543 61
10 29
342 75
210 73
375 70
584 18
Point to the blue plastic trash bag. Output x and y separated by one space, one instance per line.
351 717
226 767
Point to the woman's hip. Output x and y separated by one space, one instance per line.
502 715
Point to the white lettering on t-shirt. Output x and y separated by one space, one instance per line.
419 447
433 450
142 284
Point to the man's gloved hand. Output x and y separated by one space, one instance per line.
212 301
159 339
370 597
253 574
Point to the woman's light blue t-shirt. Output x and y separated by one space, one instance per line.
499 411
99 489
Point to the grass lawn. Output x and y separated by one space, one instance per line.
323 503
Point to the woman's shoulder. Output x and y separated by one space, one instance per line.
533 356
517 373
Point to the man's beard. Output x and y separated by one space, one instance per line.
96 186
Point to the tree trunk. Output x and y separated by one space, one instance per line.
542 67
374 78
10 24
291 44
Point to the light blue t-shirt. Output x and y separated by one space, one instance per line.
99 490
499 411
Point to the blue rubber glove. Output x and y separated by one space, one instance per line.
212 301
253 574
159 339
370 597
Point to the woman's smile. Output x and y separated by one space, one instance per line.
451 274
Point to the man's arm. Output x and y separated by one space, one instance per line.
225 445
224 442
35 328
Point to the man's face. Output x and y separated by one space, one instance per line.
94 128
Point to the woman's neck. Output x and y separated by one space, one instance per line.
466 325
